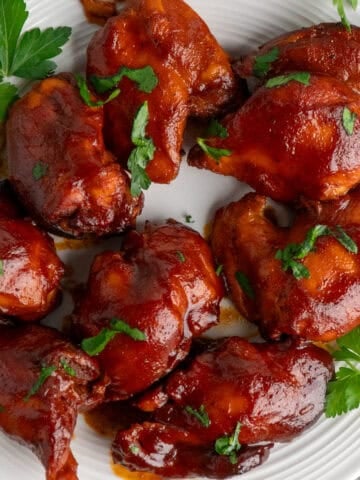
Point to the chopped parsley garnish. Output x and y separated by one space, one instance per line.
219 270
2 271
134 449
142 153
39 171
297 251
215 129
45 373
244 283
229 445
213 152
201 415
348 121
25 54
145 78
343 393
263 63
86 94
341 11
67 368
95 345
189 219
180 256
301 77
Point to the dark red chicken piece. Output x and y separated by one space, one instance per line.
271 392
59 166
163 283
291 141
322 307
30 271
194 77
43 416
328 49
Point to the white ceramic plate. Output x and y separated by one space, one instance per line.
330 449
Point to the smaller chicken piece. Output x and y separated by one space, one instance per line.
98 11
194 77
232 395
30 270
45 382
59 166
301 281
163 285
300 138
327 48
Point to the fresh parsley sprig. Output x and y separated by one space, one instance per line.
300 77
245 284
343 393
229 445
45 373
95 345
215 129
145 78
262 63
339 4
201 415
348 121
142 153
25 55
86 94
297 251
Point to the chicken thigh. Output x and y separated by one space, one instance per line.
194 76
301 281
144 304
59 166
232 396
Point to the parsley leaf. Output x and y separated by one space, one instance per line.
263 63
301 77
35 48
13 15
348 121
180 256
215 129
343 393
341 11
201 415
86 94
189 219
296 251
219 270
142 153
244 283
134 449
145 78
229 445
39 171
67 368
8 95
45 373
215 153
2 267
95 345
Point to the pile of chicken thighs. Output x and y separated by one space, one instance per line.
211 408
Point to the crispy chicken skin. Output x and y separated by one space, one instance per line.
290 141
45 421
194 76
322 307
163 283
328 49
275 391
59 166
30 270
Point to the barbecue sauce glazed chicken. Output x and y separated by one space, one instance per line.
59 166
30 269
327 48
322 307
194 77
290 141
274 391
45 420
164 284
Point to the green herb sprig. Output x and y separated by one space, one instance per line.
245 285
45 373
95 345
343 393
297 251
348 121
143 152
262 63
229 445
339 4
24 54
201 415
145 78
215 129
300 77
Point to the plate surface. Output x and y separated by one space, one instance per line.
330 449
